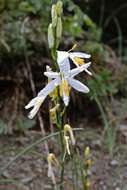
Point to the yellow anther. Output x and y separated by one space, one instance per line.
73 47
66 87
60 89
78 60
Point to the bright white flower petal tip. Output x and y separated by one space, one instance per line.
36 104
78 58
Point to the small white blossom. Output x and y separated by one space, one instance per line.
64 79
78 59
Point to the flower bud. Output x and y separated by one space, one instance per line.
59 28
54 16
59 8
68 130
53 115
50 36
52 159
87 184
87 151
89 163
66 138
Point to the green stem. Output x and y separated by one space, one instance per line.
59 121
59 125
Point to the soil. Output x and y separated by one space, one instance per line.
29 172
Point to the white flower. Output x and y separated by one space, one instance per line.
65 80
78 59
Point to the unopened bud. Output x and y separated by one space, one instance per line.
52 159
87 151
53 115
68 129
87 184
89 163
54 16
59 28
59 7
66 138
50 36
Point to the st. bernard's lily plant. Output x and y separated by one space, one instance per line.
61 78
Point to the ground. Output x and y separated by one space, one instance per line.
29 172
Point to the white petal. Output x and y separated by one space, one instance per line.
33 112
78 85
88 72
65 91
79 54
49 88
65 66
61 56
51 74
66 99
79 69
31 103
48 68
51 173
86 68
37 105
50 170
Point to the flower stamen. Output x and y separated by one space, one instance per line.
66 87
73 47
78 60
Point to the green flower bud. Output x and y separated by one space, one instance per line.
87 151
59 7
50 36
59 28
54 16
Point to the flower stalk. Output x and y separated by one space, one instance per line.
61 78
